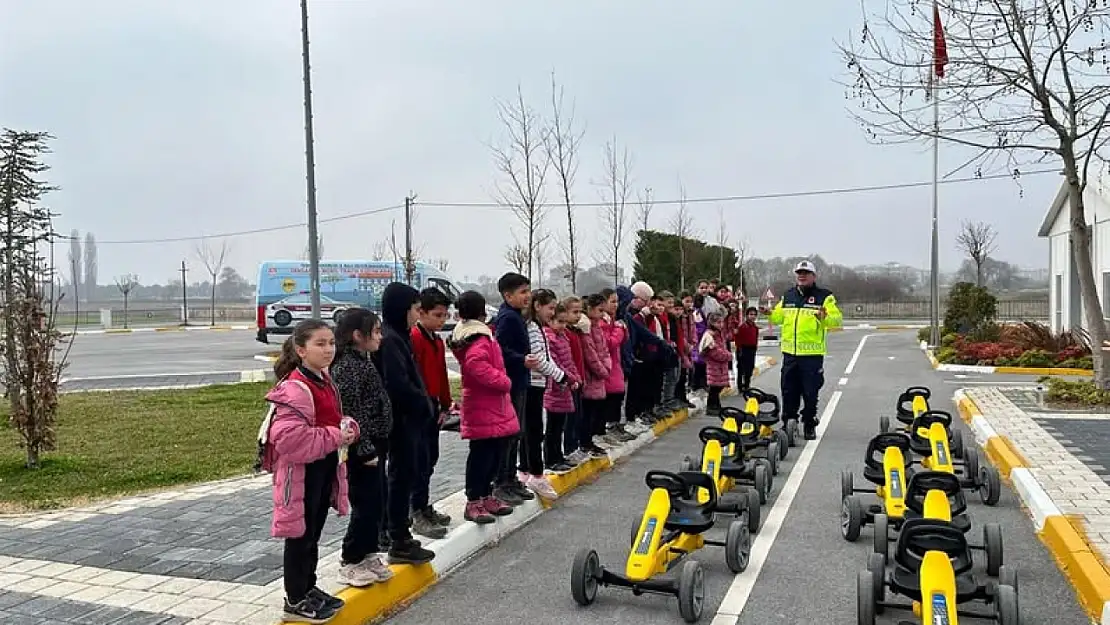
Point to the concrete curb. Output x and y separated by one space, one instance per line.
219 328
364 605
161 381
1063 536
1038 371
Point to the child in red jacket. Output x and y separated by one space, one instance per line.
430 354
746 337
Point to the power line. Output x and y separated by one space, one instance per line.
494 205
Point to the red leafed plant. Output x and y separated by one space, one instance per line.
985 353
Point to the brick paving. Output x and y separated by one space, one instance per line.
1067 453
199 556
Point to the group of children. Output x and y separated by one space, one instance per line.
546 385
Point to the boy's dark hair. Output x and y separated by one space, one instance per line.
288 361
354 319
703 281
432 298
511 282
751 309
684 295
595 300
656 298
666 294
471 306
607 293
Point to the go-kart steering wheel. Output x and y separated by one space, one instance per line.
670 482
928 418
925 481
734 413
757 394
721 435
881 441
914 391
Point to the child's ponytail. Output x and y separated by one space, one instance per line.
288 361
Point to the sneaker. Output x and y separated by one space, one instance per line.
496 507
597 452
330 601
623 434
508 495
410 553
689 404
578 456
612 439
357 574
476 513
378 567
809 431
522 491
425 526
437 517
542 487
309 610
560 467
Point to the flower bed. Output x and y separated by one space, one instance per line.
1027 344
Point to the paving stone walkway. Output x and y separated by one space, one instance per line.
200 556
1067 452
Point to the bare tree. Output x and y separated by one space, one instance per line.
126 283
213 261
518 257
976 239
305 256
742 255
540 257
1028 84
722 242
404 267
682 226
32 360
645 204
380 250
615 189
562 142
441 264
75 273
522 163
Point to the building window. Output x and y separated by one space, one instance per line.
1059 301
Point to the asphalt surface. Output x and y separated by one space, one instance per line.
150 353
809 571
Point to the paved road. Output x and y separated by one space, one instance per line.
803 572
149 353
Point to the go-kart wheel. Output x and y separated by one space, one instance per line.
876 564
1008 576
634 533
761 477
687 464
784 443
738 546
884 424
792 431
971 462
691 591
992 544
584 574
847 483
851 518
865 598
773 456
755 514
1006 606
990 485
881 543
956 443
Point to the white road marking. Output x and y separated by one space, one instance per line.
855 355
843 381
742 585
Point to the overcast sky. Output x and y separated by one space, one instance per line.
183 119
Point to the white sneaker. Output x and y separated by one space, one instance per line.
541 487
378 567
357 575
577 457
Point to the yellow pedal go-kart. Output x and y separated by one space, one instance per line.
932 568
886 464
913 402
761 439
739 464
930 439
672 527
736 495
767 412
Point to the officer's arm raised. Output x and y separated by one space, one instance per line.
833 317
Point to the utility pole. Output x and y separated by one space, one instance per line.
310 167
184 295
410 262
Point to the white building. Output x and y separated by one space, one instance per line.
1065 305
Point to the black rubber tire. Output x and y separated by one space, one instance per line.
1008 576
760 477
773 456
881 540
738 547
992 544
865 598
876 564
283 318
687 464
754 512
884 424
635 531
956 442
1006 606
971 462
784 443
584 576
851 518
990 485
847 483
792 431
691 591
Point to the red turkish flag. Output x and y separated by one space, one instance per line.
940 46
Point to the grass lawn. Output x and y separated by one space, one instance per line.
114 443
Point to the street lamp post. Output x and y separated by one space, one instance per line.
310 166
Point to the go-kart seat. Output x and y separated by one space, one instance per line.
687 515
921 444
876 447
735 466
904 405
921 483
769 407
919 536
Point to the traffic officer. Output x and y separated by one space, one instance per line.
805 314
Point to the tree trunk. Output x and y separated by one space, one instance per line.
212 303
125 311
978 273
1080 239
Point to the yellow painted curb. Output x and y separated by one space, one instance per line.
563 483
1083 568
1044 371
168 329
407 584
1001 453
118 331
932 358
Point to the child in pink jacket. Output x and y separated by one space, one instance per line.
558 400
301 442
599 363
488 419
714 350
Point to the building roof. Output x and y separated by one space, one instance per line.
1054 209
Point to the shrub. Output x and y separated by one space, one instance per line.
923 334
986 332
1082 392
1036 358
969 307
1030 335
984 353
947 354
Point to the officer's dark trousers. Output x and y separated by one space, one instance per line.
802 379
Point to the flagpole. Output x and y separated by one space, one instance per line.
934 280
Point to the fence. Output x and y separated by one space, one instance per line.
198 315
1008 310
